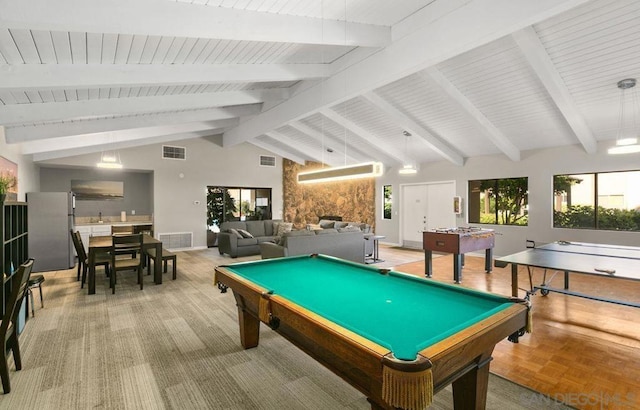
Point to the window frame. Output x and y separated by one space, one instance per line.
595 200
387 201
473 203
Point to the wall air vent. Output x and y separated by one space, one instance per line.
267 161
176 240
171 152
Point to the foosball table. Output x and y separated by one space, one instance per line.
457 241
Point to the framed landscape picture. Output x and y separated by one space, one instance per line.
97 190
10 168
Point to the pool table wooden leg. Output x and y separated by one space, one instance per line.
470 390
249 324
249 329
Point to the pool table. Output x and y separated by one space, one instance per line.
395 337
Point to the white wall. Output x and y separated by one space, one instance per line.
28 172
175 197
539 166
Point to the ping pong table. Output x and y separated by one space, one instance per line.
610 261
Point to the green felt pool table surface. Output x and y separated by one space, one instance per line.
401 312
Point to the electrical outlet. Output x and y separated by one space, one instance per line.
133 212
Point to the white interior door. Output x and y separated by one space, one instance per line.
440 206
426 206
414 214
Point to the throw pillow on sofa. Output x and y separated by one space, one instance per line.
245 234
236 233
284 227
327 224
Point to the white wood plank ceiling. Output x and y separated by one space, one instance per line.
337 81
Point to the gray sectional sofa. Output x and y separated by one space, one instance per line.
342 226
234 244
347 244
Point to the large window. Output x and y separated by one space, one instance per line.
237 204
499 201
608 200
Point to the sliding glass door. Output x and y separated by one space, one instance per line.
237 204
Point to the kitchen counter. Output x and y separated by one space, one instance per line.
133 223
113 220
88 229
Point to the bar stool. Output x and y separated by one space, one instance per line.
35 281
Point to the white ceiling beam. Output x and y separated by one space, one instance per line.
177 19
66 129
313 153
327 142
285 147
400 118
366 151
272 148
113 138
44 156
434 76
16 114
60 76
454 28
539 60
366 137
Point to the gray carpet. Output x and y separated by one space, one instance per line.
176 346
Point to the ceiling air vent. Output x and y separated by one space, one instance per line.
170 152
267 161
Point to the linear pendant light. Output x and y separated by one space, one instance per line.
364 170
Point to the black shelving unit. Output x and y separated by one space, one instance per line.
15 244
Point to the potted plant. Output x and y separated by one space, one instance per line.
7 181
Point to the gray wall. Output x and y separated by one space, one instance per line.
180 187
138 189
539 166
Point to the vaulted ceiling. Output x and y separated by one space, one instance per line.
301 78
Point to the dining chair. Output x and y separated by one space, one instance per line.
9 325
75 246
102 258
35 281
126 254
122 229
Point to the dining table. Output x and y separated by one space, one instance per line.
103 243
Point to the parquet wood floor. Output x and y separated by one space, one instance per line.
582 353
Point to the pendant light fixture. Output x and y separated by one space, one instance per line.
409 167
110 159
627 138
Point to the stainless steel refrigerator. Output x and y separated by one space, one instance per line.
50 220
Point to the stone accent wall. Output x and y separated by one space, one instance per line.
305 203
